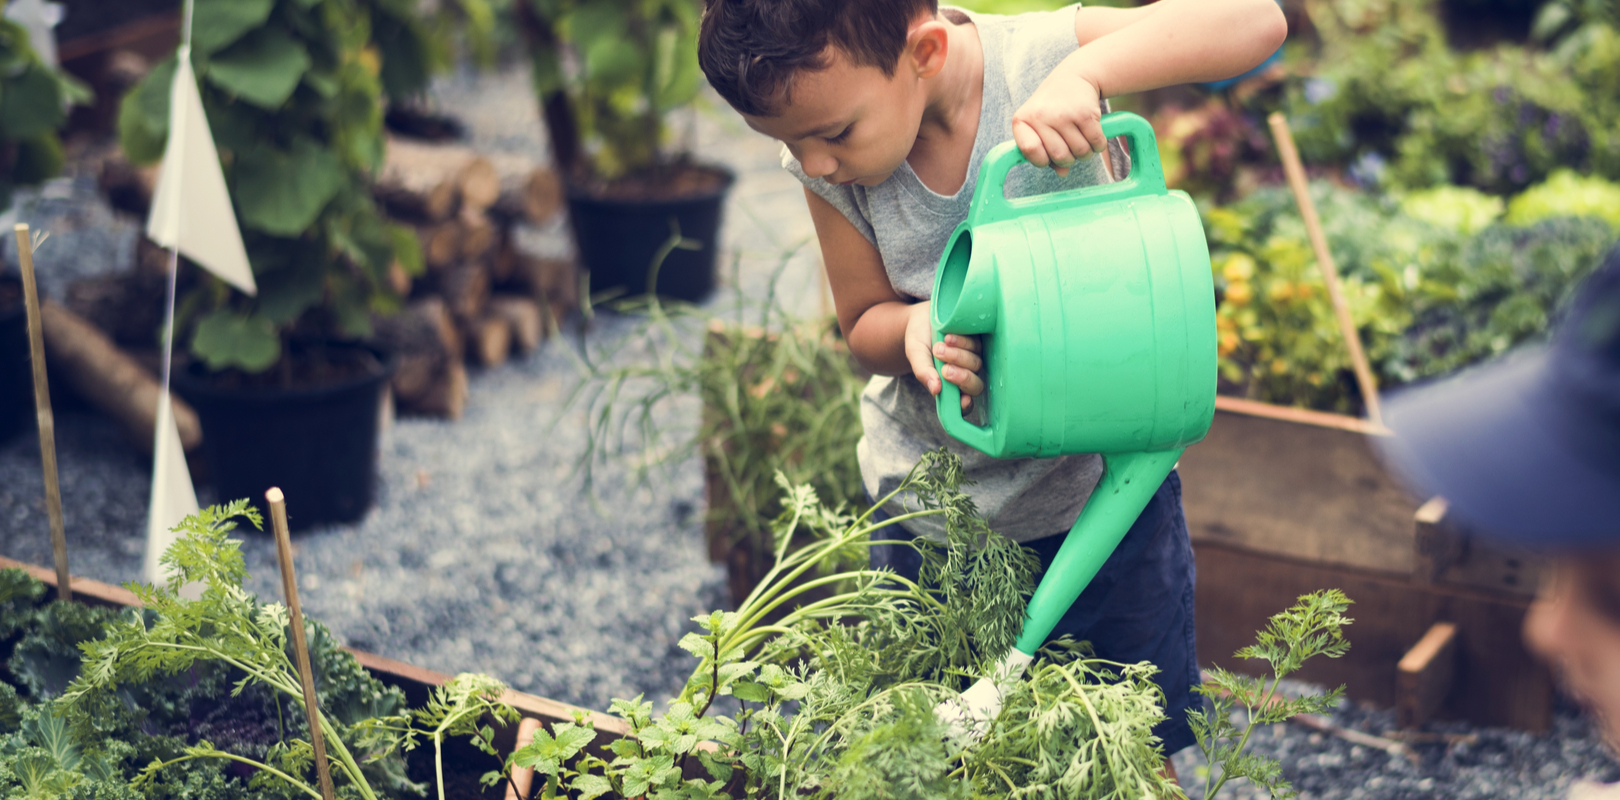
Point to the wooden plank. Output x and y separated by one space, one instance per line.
1278 482
1305 416
1498 682
1425 675
1446 553
388 670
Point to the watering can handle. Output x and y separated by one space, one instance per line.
1146 176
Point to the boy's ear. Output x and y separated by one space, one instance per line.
926 47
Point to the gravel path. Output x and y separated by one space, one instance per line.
486 554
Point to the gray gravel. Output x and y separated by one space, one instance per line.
486 554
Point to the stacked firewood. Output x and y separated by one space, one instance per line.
478 299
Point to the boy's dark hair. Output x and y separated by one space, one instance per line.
752 49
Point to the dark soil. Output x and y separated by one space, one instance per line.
305 368
463 766
666 182
11 294
418 123
89 17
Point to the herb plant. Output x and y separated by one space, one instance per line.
1434 283
780 394
1313 627
619 67
837 697
292 93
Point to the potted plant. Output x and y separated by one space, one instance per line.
34 99
286 389
607 74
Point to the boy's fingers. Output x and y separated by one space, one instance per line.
1075 138
1029 143
969 382
1057 150
961 358
1092 128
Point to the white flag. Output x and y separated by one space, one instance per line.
205 228
40 19
173 498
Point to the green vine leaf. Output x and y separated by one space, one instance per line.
263 68
226 339
283 192
216 24
31 104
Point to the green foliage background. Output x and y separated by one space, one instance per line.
293 97
34 100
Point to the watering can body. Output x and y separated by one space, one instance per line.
1097 310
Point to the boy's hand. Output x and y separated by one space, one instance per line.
1061 123
960 355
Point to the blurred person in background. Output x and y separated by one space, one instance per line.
1527 452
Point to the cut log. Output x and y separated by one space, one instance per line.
479 184
534 196
109 379
421 181
554 282
479 236
523 315
441 244
489 341
447 396
398 279
427 346
503 260
127 306
128 187
465 289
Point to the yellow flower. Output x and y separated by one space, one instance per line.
1280 292
1239 294
1228 342
1279 366
1238 267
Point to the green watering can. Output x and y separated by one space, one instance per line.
1096 309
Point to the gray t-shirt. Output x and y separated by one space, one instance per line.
909 224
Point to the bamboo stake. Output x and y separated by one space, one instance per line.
1324 258
289 586
42 412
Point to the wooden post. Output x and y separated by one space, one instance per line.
289 585
519 787
42 411
1330 271
1424 676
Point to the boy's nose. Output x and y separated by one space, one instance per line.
819 166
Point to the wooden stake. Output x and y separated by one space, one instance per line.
289 586
1330 271
42 411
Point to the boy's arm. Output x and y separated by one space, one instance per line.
1125 50
887 333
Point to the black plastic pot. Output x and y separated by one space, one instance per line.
16 379
618 240
318 444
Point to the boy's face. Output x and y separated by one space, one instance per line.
1575 626
850 124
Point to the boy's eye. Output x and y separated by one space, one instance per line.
842 135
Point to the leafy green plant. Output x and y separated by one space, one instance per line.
292 93
1430 292
34 101
1313 627
837 698
411 46
780 394
1389 98
609 72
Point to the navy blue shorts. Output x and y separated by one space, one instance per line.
1138 608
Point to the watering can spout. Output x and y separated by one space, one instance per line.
1128 483
968 291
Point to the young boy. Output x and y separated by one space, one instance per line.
1527 451
885 109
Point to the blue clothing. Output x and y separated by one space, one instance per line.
1138 608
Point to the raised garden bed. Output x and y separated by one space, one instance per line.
1281 498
